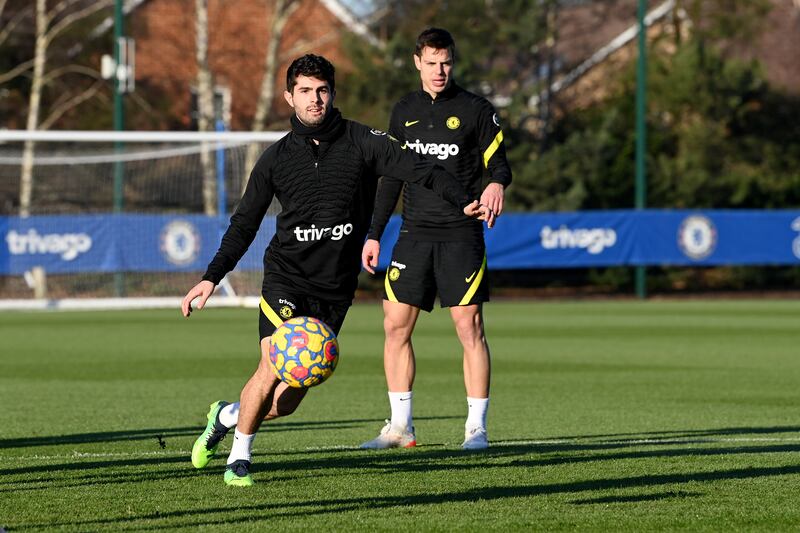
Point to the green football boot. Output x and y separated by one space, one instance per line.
206 444
238 474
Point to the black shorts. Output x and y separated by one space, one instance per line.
280 302
420 269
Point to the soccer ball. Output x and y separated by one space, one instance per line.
303 352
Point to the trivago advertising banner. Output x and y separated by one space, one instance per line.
162 243
627 237
114 243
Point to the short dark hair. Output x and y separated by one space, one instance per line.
436 38
312 66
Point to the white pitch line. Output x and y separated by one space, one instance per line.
82 455
333 448
665 440
499 444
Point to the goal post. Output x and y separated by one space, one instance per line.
75 242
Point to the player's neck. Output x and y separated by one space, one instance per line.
433 94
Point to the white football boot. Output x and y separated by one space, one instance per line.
475 439
392 437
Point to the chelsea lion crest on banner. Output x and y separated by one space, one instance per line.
180 242
697 237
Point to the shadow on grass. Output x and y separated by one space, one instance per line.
430 457
279 467
427 458
283 468
216 516
716 432
103 436
154 433
638 498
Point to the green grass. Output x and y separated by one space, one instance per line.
604 416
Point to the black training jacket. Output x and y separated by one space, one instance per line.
458 130
327 194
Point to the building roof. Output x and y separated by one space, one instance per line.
336 7
602 53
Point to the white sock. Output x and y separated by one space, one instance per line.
241 447
400 403
476 417
229 415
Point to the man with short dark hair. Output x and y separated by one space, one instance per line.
324 173
438 252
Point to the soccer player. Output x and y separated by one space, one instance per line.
324 173
439 251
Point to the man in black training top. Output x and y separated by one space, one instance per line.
324 173
439 251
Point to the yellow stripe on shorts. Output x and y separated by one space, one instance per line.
269 313
487 155
388 287
475 283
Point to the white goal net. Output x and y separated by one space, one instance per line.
121 214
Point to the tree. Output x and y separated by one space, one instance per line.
50 24
205 104
719 136
281 11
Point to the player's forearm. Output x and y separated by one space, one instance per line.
385 202
234 244
445 185
500 173
395 162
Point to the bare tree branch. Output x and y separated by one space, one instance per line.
205 104
75 101
60 8
71 69
63 96
44 37
64 23
13 23
16 71
280 15
143 104
205 91
282 10
34 104
2 6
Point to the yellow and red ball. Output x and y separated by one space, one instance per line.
303 352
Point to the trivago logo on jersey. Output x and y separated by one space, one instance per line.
441 151
314 233
67 245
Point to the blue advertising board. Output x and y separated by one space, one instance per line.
119 242
164 243
629 237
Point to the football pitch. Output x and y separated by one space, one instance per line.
624 415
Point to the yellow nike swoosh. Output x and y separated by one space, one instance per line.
411 122
470 278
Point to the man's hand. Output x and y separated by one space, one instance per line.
204 290
493 198
369 255
481 212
